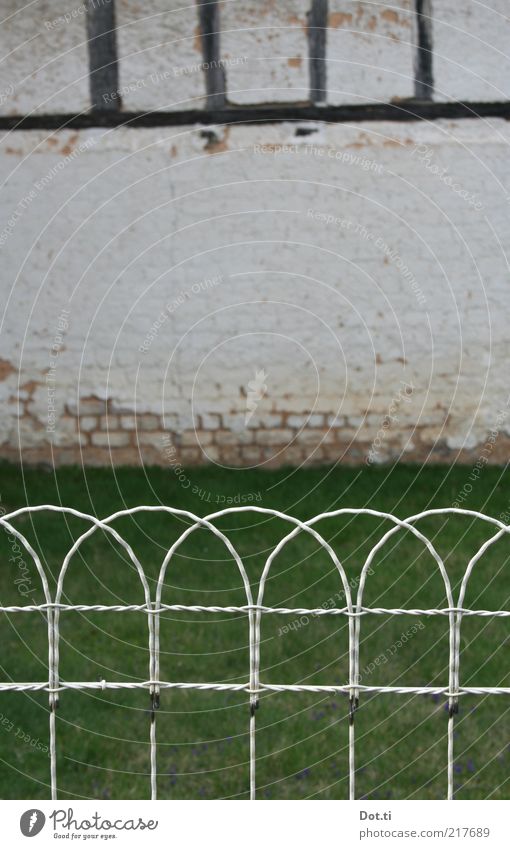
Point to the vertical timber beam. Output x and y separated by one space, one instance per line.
317 31
215 80
423 71
103 65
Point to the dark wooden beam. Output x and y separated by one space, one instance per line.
103 66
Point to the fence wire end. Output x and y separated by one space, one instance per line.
453 709
353 706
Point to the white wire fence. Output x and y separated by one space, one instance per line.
254 609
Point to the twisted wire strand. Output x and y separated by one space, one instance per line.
35 686
247 608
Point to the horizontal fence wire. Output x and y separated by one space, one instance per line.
298 611
254 610
35 686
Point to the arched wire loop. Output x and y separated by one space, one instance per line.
153 618
354 637
255 617
454 617
50 618
503 529
155 664
255 631
463 587
254 612
54 633
206 523
198 523
458 618
307 526
104 526
44 581
399 525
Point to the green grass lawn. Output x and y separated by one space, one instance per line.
103 737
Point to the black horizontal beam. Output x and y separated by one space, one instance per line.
404 110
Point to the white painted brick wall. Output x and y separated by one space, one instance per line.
44 65
370 51
130 228
155 280
160 58
471 50
265 49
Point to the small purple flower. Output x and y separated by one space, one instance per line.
318 714
303 774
